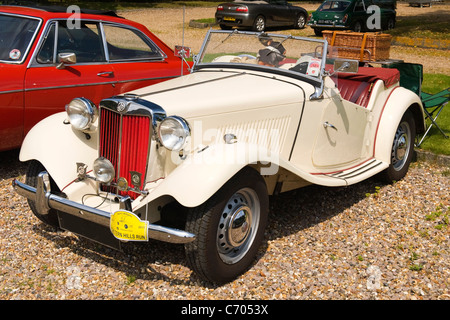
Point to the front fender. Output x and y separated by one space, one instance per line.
203 173
54 143
399 100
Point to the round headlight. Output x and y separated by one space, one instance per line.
104 170
173 133
82 113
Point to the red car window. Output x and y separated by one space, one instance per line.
15 37
128 44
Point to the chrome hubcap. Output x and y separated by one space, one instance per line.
238 225
400 149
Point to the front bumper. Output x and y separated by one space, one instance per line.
328 26
235 19
86 221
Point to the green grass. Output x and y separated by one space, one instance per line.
434 25
435 141
206 20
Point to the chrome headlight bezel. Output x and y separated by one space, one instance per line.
173 133
82 113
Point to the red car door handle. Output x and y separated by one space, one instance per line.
105 74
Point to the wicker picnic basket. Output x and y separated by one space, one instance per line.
357 45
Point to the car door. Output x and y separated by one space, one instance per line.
17 35
359 15
340 134
49 86
279 11
11 105
135 59
288 13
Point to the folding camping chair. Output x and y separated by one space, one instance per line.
435 103
411 77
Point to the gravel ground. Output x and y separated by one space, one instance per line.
367 241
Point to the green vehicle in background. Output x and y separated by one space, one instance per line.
356 15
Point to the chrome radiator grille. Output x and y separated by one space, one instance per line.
125 141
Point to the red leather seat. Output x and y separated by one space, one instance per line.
357 87
354 91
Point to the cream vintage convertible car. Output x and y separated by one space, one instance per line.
193 160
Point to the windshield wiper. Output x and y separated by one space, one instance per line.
235 31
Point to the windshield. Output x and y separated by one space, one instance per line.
16 35
335 6
269 52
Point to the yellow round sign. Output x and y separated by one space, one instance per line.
127 226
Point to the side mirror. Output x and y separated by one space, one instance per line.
66 58
350 66
182 52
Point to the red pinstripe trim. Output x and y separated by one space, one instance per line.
379 120
357 165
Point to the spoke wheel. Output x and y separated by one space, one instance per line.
259 24
301 21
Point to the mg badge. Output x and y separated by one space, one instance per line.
136 179
122 106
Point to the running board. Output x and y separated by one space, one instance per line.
354 174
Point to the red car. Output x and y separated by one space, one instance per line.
48 57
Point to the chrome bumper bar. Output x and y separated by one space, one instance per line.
45 200
312 25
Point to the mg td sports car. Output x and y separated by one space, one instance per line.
193 160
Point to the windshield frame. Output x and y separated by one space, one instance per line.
32 39
315 81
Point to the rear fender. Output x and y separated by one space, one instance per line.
399 100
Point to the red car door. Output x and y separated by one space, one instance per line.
49 86
16 38
137 61
11 105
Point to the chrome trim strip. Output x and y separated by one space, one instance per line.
34 63
192 84
135 106
91 84
70 86
11 91
104 42
147 79
328 26
93 215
